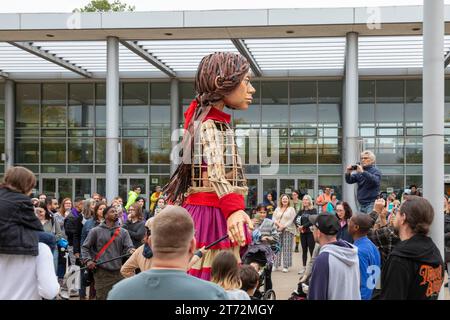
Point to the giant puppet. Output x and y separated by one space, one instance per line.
209 181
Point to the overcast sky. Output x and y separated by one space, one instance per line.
171 5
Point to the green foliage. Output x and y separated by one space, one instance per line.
105 6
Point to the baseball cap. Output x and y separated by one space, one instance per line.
326 223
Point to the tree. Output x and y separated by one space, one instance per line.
105 6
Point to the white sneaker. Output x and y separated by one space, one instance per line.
285 270
302 271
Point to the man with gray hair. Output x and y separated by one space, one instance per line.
368 178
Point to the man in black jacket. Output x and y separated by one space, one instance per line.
73 225
415 268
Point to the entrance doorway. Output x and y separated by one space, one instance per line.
259 186
125 185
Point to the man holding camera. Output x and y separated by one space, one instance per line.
368 177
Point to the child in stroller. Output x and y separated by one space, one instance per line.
260 254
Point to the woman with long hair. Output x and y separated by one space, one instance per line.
26 264
160 205
135 224
225 273
146 213
283 217
64 209
296 203
270 204
88 209
344 213
210 182
304 227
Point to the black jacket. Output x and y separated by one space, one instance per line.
302 219
343 234
447 237
73 226
18 224
136 231
413 271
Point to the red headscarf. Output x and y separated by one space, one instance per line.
190 113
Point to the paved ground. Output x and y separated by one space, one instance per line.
285 283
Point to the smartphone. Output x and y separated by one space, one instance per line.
391 206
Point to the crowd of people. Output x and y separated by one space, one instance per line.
129 252
194 238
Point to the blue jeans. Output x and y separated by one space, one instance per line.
366 208
55 259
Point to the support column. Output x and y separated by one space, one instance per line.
112 118
9 123
174 119
433 115
350 115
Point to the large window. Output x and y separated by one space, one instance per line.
330 97
2 123
81 105
274 101
100 105
135 110
54 105
303 101
413 107
366 112
28 100
389 101
2 109
61 127
390 117
160 134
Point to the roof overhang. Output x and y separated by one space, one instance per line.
215 24
148 58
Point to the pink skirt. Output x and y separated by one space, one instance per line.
210 225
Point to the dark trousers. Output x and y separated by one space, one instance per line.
104 281
268 277
307 240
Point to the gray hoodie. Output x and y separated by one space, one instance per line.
98 237
335 274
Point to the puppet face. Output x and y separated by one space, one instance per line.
242 96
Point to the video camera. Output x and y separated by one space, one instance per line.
355 166
383 195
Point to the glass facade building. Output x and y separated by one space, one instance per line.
60 130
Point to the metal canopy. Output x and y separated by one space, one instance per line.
319 56
45 54
240 45
138 50
185 55
393 52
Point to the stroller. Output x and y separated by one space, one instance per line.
260 255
